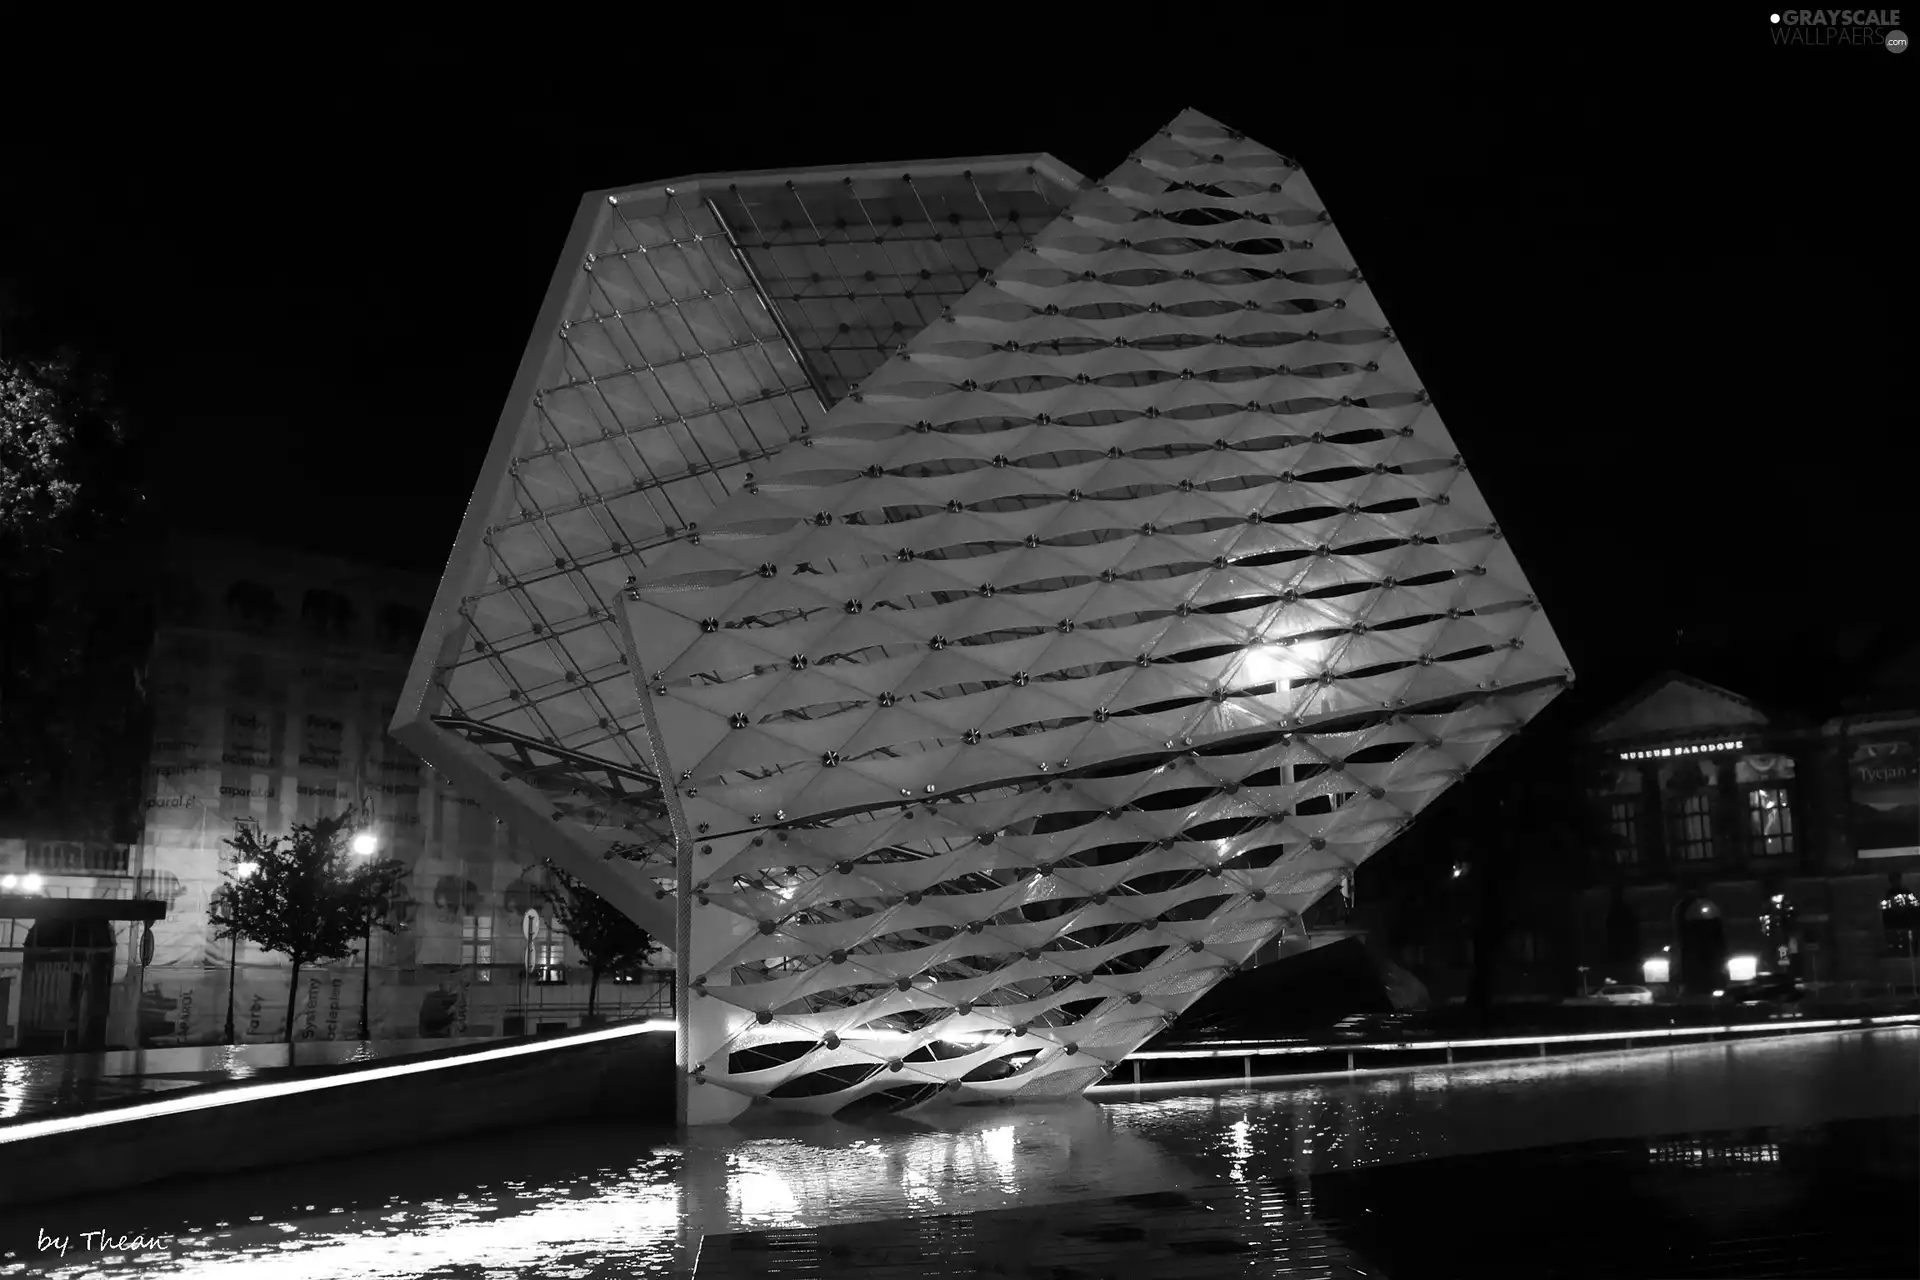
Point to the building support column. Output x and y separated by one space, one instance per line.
695 1102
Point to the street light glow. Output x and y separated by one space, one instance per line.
241 870
365 844
30 882
1278 663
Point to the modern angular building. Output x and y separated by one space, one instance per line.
1034 594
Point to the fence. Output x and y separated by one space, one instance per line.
509 1000
1295 1059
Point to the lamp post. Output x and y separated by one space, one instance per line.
241 870
365 845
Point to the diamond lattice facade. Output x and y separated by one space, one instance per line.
1037 594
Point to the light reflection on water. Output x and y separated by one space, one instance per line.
602 1200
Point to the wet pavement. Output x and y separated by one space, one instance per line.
37 1086
1779 1157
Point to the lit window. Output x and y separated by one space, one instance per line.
476 945
549 963
1693 828
1769 821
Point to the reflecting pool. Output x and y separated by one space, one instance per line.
1311 1165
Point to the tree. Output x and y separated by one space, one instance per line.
309 897
609 941
75 618
68 473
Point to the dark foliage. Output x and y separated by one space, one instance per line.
610 942
75 605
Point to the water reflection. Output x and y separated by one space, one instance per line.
601 1200
778 1171
1338 1123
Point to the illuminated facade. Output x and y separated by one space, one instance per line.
270 683
1723 832
1041 593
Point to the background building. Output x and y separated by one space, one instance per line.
1687 824
1721 829
271 681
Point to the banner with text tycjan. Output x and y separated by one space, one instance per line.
1883 781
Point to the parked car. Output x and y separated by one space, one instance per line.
1612 994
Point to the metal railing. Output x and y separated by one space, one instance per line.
505 996
1591 1041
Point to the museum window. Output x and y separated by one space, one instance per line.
476 946
1693 828
1623 825
1769 822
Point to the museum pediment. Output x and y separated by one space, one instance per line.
1677 704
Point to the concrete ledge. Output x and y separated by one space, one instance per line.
624 1070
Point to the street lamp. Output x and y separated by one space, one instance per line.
241 870
364 845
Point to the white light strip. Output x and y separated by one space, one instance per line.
286 1088
1253 1049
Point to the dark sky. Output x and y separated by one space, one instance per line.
1655 276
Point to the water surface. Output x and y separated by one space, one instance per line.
592 1200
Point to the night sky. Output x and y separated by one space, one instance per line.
1649 274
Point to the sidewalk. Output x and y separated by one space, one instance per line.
35 1087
